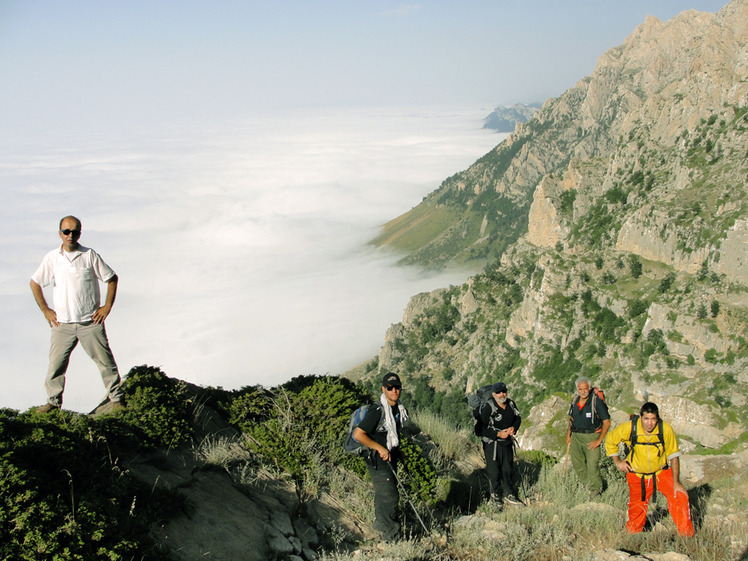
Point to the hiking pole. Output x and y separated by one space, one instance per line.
402 488
519 470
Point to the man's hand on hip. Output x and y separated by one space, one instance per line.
101 314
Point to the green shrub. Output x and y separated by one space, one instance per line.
537 457
711 356
158 405
567 203
249 406
63 496
667 282
635 266
556 372
637 307
302 423
415 472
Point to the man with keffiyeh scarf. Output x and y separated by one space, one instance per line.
380 432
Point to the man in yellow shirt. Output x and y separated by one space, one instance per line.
652 463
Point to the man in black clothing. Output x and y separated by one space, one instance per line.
501 420
380 432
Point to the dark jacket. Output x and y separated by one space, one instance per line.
495 418
373 425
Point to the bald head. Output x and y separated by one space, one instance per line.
69 218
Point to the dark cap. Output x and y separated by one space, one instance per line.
391 379
498 387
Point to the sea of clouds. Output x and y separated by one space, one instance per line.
241 247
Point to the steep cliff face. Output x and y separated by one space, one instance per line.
616 224
675 94
660 123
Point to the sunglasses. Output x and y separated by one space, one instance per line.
67 232
390 388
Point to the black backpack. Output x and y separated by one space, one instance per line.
476 400
350 444
660 445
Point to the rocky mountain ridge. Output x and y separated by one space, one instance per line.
647 99
505 119
614 228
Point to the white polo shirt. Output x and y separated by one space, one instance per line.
75 277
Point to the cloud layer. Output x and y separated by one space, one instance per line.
241 248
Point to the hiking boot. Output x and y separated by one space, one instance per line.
116 407
47 408
108 408
513 500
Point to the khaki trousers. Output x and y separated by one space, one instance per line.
93 339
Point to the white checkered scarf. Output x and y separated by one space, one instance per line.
389 421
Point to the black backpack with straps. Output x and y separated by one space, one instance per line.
476 400
660 444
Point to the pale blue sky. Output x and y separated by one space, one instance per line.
103 63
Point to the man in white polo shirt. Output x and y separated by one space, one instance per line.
75 272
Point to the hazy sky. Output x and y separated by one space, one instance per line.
230 160
94 63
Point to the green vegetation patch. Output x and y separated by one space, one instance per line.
64 496
418 227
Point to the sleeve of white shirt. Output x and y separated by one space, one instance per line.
103 271
44 274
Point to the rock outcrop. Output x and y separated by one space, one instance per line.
229 521
505 119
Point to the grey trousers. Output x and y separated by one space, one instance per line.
93 339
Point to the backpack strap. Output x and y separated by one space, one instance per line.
490 402
574 402
593 405
635 439
514 408
380 424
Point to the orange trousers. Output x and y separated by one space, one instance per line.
677 504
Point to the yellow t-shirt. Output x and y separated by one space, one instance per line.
649 455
